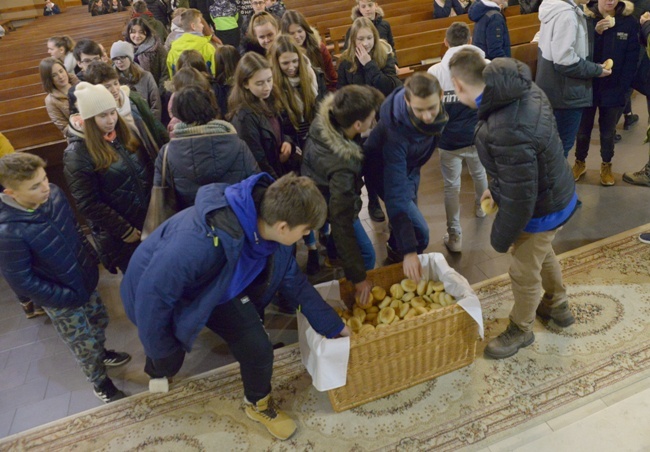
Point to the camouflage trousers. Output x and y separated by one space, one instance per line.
83 329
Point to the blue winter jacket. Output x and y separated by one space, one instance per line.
181 272
44 256
491 31
395 151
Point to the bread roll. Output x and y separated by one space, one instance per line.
418 302
371 309
430 287
408 296
395 304
355 324
386 301
422 287
608 64
404 309
396 291
438 286
360 313
378 293
366 329
387 315
420 310
489 206
409 285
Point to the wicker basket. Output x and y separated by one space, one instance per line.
408 353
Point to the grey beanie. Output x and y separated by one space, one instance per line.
122 48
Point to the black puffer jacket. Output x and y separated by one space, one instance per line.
258 134
113 201
335 164
204 155
44 256
519 146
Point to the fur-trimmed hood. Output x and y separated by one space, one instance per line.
331 135
623 8
355 14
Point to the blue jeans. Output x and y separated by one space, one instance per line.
367 250
419 225
568 122
451 166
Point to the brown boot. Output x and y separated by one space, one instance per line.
579 169
561 315
509 342
606 176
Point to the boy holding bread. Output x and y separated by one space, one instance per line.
530 182
218 264
333 158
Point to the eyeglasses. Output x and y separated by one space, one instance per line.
90 60
121 58
258 3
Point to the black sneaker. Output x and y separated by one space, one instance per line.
115 359
630 120
644 237
617 138
107 392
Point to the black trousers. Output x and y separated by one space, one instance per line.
607 119
239 324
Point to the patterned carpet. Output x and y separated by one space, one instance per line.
607 348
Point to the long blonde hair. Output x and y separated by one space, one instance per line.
100 150
286 44
379 53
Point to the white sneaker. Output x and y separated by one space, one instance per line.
480 213
453 242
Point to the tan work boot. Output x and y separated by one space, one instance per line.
509 342
606 176
267 412
579 168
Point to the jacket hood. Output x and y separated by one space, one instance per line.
550 9
355 14
395 112
623 8
75 130
192 41
480 8
506 81
331 136
213 196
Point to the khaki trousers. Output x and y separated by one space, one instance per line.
534 267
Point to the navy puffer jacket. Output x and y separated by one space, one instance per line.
518 144
491 30
114 200
44 256
204 155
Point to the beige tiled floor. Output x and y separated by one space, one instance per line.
40 382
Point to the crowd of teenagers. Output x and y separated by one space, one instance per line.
238 108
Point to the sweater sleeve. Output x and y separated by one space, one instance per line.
441 8
153 96
328 67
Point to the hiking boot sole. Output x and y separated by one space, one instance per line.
508 355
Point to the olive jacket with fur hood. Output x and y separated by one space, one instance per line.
335 163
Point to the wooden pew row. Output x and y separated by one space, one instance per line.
38 29
337 33
301 4
22 103
22 91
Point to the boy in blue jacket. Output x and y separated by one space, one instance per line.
218 264
411 121
45 257
491 30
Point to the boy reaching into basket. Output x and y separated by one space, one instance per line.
333 158
531 182
218 264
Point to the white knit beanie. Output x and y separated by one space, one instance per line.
122 48
93 99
